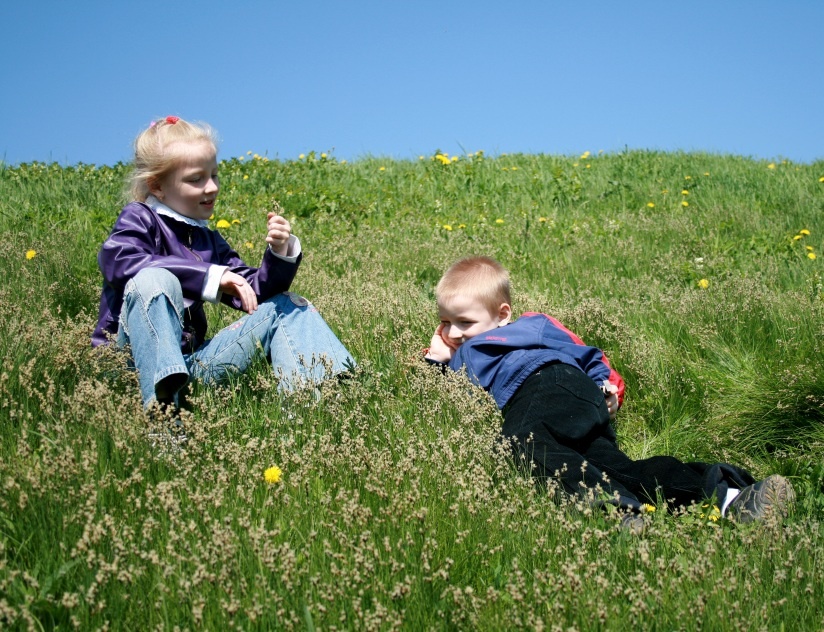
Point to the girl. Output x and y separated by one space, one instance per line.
162 261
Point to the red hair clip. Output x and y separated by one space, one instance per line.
171 120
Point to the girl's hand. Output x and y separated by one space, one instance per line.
278 232
438 349
235 285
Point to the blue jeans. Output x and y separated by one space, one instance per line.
286 328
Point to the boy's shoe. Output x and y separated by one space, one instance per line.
771 498
632 523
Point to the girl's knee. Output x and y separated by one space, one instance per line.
150 283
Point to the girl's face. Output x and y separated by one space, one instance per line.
191 188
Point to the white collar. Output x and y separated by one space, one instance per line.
159 207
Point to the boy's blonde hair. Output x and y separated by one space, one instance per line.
481 278
158 148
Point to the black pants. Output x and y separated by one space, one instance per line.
559 421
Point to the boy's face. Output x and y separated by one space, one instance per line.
191 188
463 317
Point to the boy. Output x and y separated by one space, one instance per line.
558 396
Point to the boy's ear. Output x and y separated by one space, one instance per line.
504 313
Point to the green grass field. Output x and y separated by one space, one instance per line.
397 506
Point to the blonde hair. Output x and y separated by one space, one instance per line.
481 278
159 148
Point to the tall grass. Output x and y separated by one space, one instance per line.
398 505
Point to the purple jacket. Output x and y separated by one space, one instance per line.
142 238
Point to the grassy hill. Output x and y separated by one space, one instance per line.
700 275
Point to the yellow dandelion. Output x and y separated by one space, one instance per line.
821 179
585 155
810 255
707 173
650 205
574 164
703 284
323 155
687 177
499 221
771 165
30 254
810 248
272 475
664 191
803 231
514 168
302 156
461 225
797 237
382 169
684 203
454 158
245 177
648 508
235 222
447 227
542 219
588 166
240 157
684 192
420 157
249 245
222 223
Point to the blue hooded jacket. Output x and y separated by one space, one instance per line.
501 359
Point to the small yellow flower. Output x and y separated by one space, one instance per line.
585 155
272 475
684 203
30 254
803 231
706 173
240 157
821 179
235 222
499 221
810 248
810 255
222 223
797 237
323 155
250 245
302 156
771 165
447 227
648 508
703 284
382 169
420 157
684 192
245 177
461 225
248 153
650 204
687 177
454 158
542 219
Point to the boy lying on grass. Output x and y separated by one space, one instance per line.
558 397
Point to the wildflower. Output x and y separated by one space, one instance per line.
810 255
302 156
703 284
687 177
382 169
30 254
707 173
248 153
235 222
499 221
461 225
447 226
797 237
648 508
585 155
240 157
821 179
809 248
650 205
323 156
771 165
420 157
245 176
803 231
222 223
542 219
249 245
272 475
684 192
454 158
684 203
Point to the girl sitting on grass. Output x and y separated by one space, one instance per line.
161 262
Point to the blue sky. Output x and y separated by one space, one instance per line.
401 79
